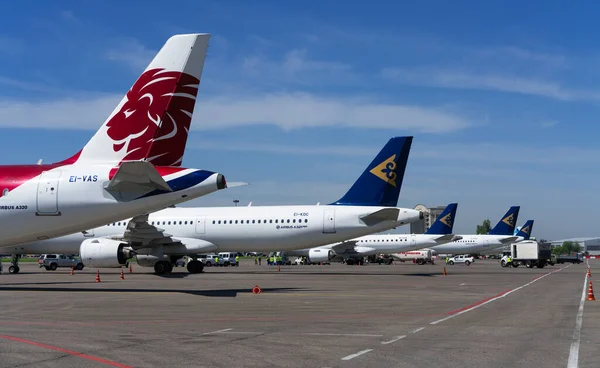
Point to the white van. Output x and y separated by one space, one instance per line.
228 259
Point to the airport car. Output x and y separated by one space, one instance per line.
52 261
461 259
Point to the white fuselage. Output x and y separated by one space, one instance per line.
243 229
472 244
73 198
377 244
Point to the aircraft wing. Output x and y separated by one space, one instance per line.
442 239
386 214
509 239
344 247
140 234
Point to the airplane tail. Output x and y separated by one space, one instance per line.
152 121
525 230
380 183
506 226
445 221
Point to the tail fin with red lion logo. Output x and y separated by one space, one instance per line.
152 121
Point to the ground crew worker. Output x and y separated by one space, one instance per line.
216 261
237 260
259 261
255 261
447 259
509 259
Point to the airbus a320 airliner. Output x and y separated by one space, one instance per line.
130 166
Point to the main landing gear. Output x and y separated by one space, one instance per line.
195 266
14 264
163 267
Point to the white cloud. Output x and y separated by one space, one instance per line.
444 78
131 52
285 110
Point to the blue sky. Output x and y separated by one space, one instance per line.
297 97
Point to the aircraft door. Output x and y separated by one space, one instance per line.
47 194
200 225
329 221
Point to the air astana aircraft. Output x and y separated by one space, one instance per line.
162 237
353 251
130 166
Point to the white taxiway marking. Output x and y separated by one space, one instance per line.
352 356
340 334
496 298
573 361
463 284
393 340
418 329
218 331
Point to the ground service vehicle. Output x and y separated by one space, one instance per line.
419 256
463 258
529 253
578 258
53 261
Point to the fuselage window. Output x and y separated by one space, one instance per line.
230 222
305 221
276 221
288 221
254 221
270 221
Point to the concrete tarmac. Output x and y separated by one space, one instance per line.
401 315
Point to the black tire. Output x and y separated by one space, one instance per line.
468 263
47 268
161 267
14 269
79 266
515 264
350 262
451 263
53 266
194 267
208 264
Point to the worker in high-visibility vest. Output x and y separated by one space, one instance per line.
216 261
237 260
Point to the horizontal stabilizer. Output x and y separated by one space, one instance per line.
386 214
134 179
237 184
509 239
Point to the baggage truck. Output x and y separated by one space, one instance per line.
529 253
418 256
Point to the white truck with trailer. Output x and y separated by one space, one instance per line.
418 256
529 253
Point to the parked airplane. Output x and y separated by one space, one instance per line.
114 176
353 251
501 234
523 233
368 207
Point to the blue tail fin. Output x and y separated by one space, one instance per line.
525 230
380 183
506 226
445 222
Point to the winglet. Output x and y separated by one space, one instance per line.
380 183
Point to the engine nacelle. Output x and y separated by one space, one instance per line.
104 253
321 255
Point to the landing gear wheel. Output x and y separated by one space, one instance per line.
79 267
162 267
13 269
195 267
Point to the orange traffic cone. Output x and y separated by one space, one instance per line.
130 269
591 293
589 274
72 270
98 276
256 290
444 273
122 277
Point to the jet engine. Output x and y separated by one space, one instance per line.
321 255
104 253
148 260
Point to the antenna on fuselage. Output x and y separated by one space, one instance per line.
39 161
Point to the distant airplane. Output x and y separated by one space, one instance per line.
159 239
353 251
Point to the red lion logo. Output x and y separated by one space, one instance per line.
154 122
